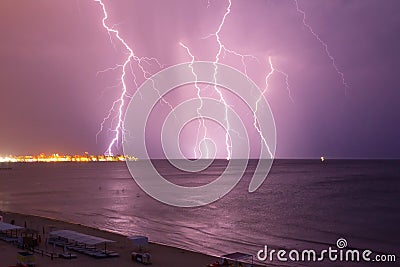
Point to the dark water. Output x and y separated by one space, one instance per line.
302 205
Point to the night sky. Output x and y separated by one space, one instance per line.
52 98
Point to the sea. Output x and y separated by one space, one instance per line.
302 205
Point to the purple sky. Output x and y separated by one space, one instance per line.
50 52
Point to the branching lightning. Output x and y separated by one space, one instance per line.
119 103
202 121
270 73
325 45
289 91
222 49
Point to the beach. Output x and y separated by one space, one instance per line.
161 255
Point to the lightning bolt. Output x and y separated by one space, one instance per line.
131 59
119 103
325 45
289 91
262 95
221 48
201 121
221 51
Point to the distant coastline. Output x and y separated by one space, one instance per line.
66 158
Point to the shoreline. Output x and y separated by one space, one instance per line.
162 255
92 228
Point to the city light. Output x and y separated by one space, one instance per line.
66 158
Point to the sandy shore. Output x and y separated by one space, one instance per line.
163 256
